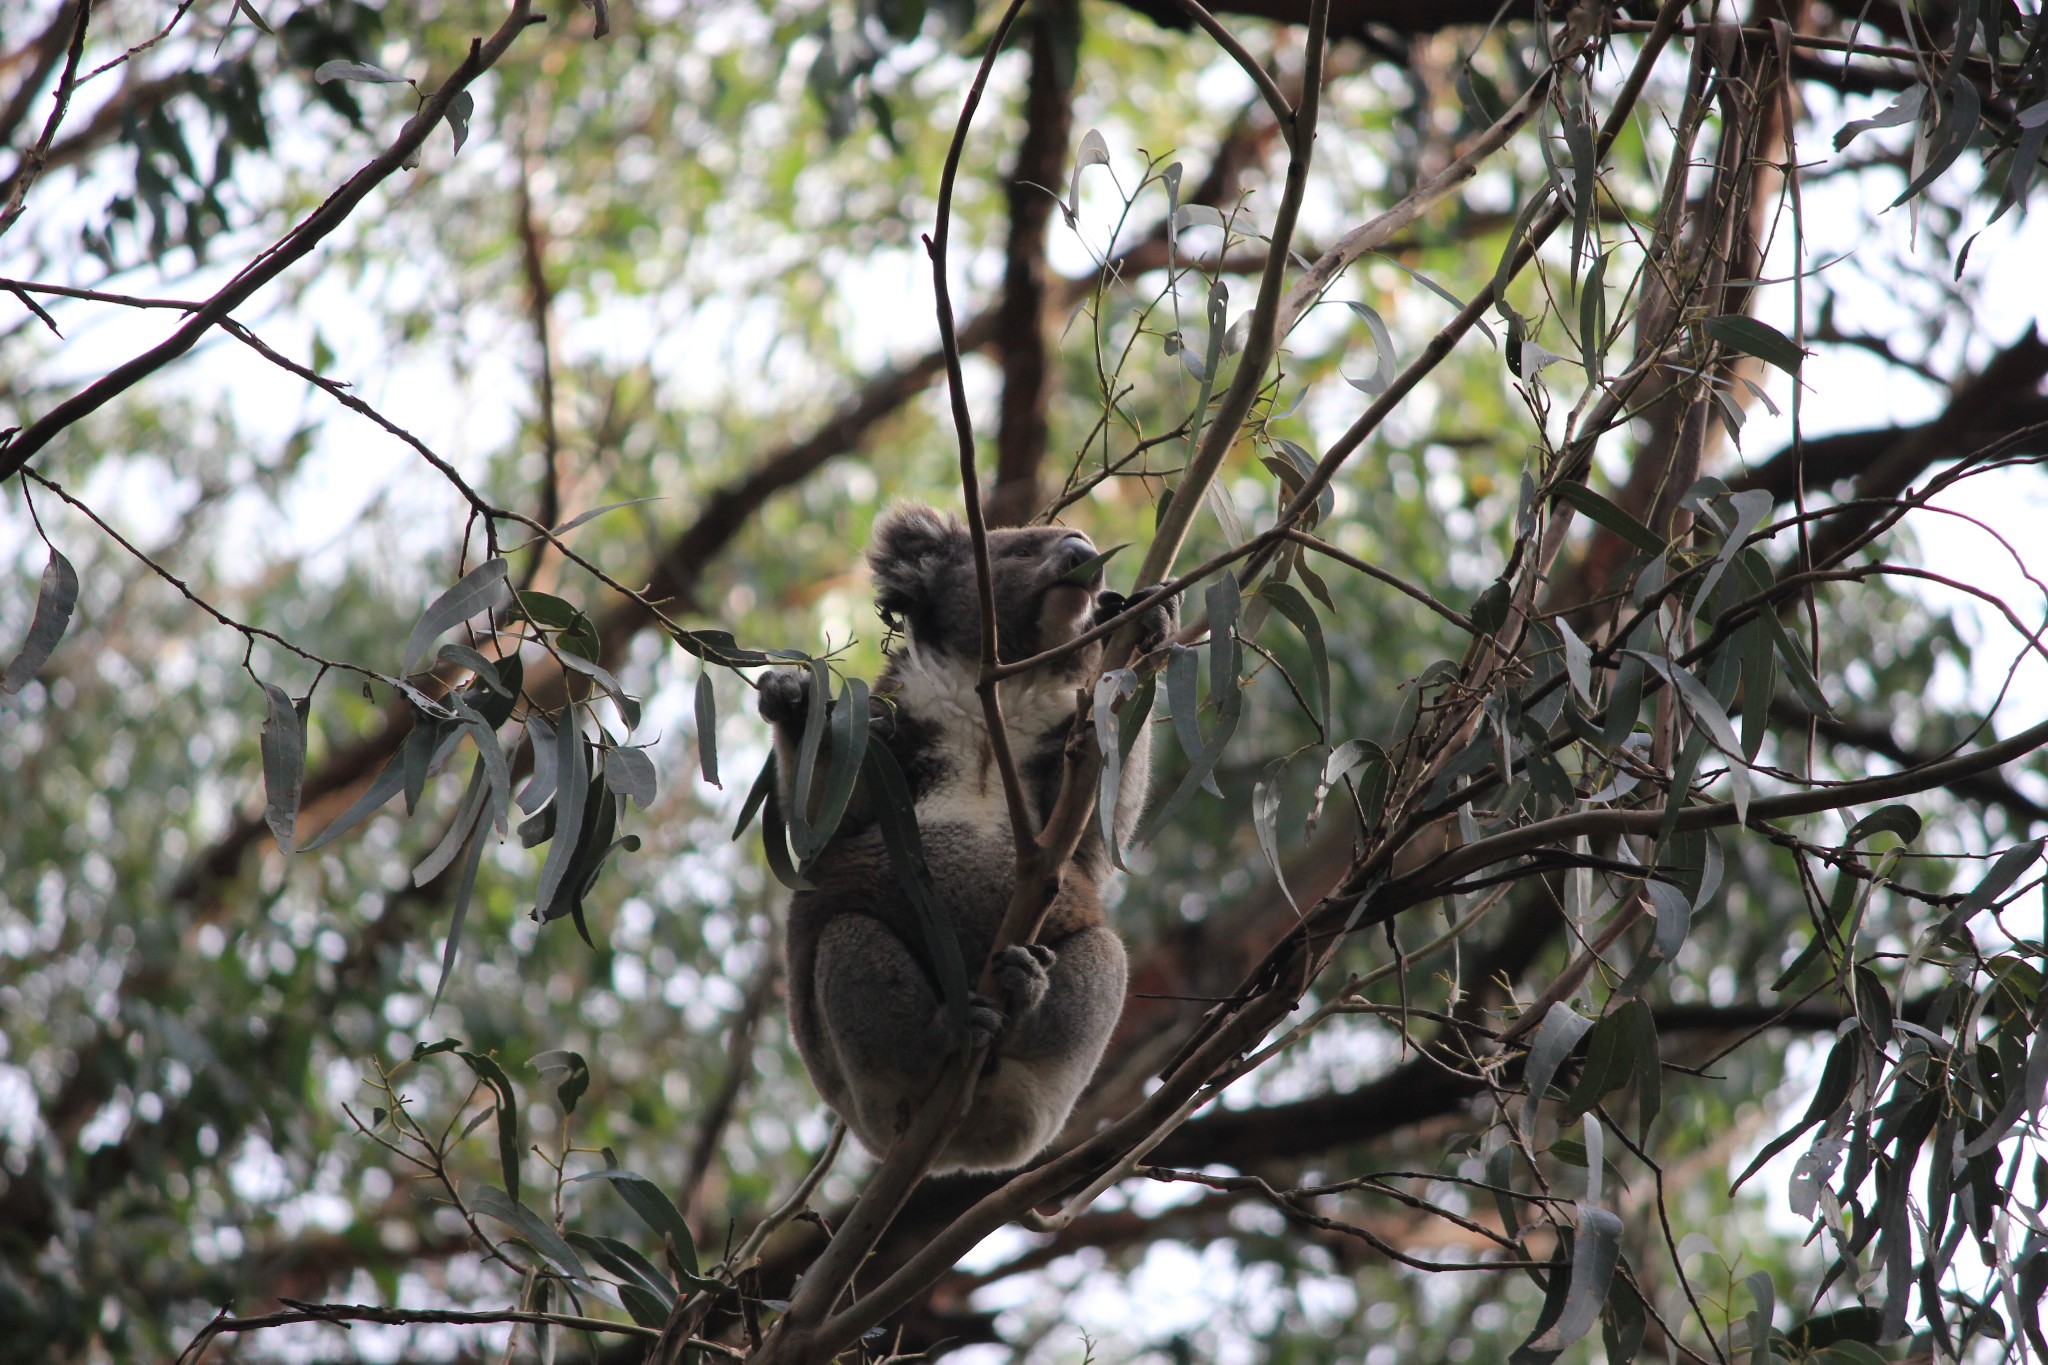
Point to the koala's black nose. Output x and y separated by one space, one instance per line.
1073 552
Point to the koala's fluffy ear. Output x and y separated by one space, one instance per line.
911 545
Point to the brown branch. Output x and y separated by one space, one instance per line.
1023 319
36 158
48 48
341 1314
540 301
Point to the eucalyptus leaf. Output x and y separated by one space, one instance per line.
482 589
54 602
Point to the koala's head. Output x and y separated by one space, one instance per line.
925 585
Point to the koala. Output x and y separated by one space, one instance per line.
865 1006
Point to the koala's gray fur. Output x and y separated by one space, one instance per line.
864 1005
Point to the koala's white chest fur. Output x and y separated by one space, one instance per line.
938 688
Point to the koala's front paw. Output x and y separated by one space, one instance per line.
784 697
1155 623
985 1019
1021 977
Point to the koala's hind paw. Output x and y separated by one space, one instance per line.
784 697
1021 977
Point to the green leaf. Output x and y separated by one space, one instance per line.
707 730
764 783
532 1228
1610 1058
507 1108
1595 1250
482 589
1110 688
632 1269
1556 1036
653 1208
465 887
2003 874
1901 821
629 709
1766 1296
1593 317
802 842
1952 135
566 1071
848 749
1648 1065
355 71
1090 569
1759 339
574 631
1835 1079
54 601
458 831
896 814
1265 816
571 794
1287 599
630 773
1600 510
284 765
460 110
1224 693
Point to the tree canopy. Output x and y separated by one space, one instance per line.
1591 902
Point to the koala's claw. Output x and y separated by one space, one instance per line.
985 1018
1021 977
785 695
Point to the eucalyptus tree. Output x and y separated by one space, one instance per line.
1592 893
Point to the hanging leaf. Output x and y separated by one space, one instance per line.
566 1071
1094 151
1110 688
284 765
1265 817
54 601
482 589
707 730
506 1108
572 779
896 813
1556 1036
1287 599
847 751
1595 1249
459 911
630 773
628 707
1904 109
1375 383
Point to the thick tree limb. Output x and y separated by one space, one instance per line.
1022 317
